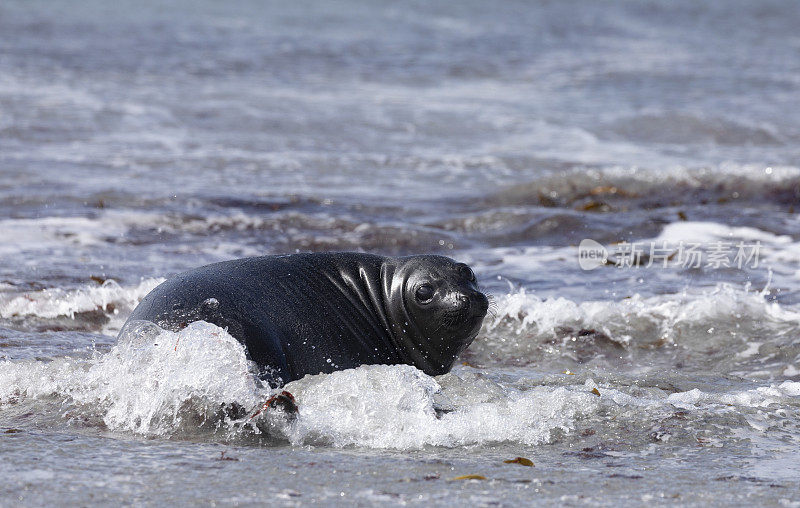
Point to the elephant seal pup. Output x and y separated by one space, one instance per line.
316 313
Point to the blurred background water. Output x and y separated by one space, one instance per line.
140 139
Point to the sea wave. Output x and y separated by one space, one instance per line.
100 307
198 384
721 329
614 189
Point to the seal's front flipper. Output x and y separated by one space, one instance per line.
283 401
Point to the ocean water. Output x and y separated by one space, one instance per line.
140 139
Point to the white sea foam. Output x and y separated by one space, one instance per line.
20 235
156 382
393 407
763 396
161 383
152 382
676 232
723 301
722 323
55 302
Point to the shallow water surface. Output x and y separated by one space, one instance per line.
142 140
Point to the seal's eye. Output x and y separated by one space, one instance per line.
467 273
424 292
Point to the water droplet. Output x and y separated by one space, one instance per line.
211 303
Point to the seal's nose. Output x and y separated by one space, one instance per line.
475 302
481 302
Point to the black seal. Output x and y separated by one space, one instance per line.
316 313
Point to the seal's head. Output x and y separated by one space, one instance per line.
436 310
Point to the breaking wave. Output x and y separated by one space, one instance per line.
724 329
199 384
100 307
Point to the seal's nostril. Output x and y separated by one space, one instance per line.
482 301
